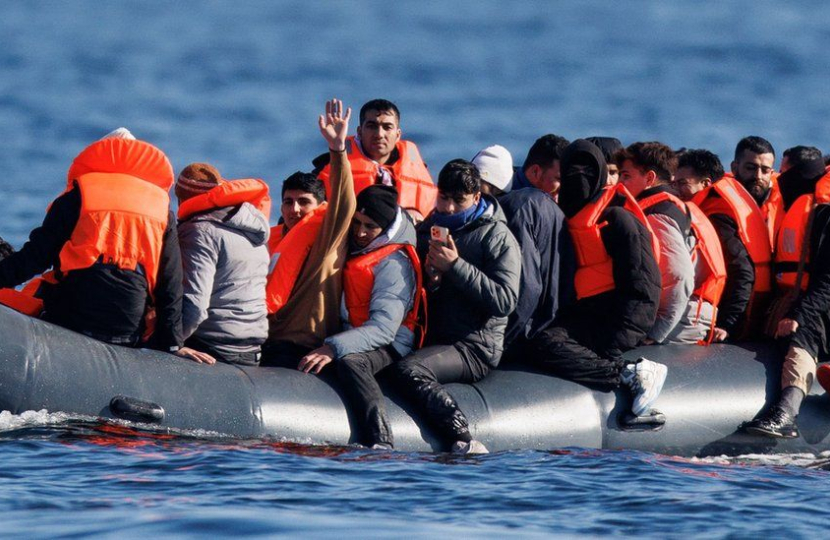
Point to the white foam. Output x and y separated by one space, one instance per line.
9 421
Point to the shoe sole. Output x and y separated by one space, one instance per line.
770 434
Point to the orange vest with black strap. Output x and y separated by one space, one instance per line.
359 278
595 270
230 193
29 300
412 179
288 257
792 234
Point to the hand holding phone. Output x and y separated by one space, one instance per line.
439 234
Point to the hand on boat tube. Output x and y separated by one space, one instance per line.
442 256
196 356
786 327
316 360
334 125
719 335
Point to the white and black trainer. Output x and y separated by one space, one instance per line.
645 378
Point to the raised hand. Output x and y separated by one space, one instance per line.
334 125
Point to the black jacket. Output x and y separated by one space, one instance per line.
470 308
548 261
740 275
102 301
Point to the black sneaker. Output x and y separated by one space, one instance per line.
776 423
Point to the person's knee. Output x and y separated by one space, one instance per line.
412 369
352 364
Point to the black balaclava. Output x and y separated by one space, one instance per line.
800 180
584 174
607 145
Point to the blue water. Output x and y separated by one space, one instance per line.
239 84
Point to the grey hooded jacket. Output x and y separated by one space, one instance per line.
393 294
225 263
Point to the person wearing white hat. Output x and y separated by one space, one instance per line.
495 164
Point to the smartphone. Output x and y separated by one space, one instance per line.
440 233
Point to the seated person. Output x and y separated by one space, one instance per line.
381 300
495 165
801 309
308 251
541 166
473 285
378 155
223 230
696 171
617 285
112 250
609 146
690 291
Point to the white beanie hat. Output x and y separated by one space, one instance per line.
496 166
120 133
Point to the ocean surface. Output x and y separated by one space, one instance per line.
239 84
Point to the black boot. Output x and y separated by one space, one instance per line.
775 422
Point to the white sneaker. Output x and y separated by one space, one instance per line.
645 378
472 447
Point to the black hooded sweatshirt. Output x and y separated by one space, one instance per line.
621 317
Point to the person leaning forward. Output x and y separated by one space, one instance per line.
104 280
308 251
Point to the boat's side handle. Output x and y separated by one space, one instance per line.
136 410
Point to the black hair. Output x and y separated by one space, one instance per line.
305 182
609 146
802 154
380 105
703 162
756 145
459 176
547 149
6 249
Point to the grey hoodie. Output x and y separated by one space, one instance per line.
393 293
225 263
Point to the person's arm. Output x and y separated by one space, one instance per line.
815 304
393 293
531 287
45 242
677 277
168 292
199 259
740 274
636 278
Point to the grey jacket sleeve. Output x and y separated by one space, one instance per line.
199 260
495 286
677 274
393 293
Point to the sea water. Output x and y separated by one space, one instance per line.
239 84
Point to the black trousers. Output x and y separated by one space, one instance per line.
570 354
242 359
282 354
357 373
421 376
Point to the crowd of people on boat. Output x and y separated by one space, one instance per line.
586 250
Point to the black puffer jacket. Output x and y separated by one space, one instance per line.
471 306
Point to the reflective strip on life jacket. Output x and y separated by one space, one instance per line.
416 189
595 272
288 257
359 278
230 193
121 222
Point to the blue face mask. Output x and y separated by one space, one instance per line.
453 222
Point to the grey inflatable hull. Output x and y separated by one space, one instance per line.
708 393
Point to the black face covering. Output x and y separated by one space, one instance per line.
584 174
800 180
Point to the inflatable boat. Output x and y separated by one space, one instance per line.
709 392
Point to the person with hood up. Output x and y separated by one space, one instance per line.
382 301
115 252
223 234
609 146
801 310
617 285
472 287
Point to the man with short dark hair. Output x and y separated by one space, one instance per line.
697 169
541 166
472 287
378 155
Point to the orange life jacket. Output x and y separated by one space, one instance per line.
28 300
595 271
792 235
132 157
358 279
412 179
230 193
288 257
